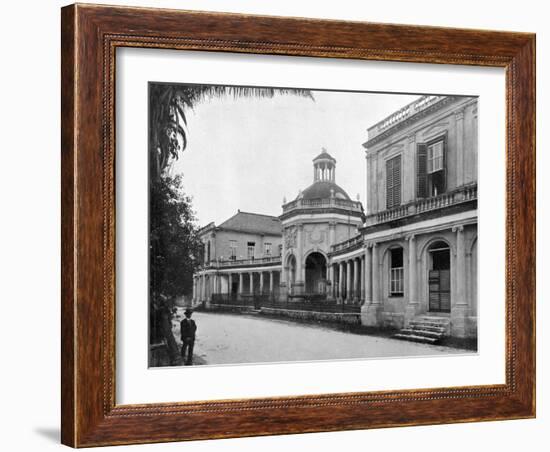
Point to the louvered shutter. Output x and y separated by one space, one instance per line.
397 180
389 184
444 144
421 171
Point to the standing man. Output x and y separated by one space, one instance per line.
188 328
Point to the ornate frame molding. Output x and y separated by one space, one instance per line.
90 36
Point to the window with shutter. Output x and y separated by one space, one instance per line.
393 182
421 171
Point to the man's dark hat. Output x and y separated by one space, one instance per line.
188 311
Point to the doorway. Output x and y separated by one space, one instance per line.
439 278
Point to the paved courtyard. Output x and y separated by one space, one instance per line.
232 339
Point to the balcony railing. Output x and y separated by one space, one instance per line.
322 203
458 196
350 243
406 112
270 260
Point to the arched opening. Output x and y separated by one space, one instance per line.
439 277
316 274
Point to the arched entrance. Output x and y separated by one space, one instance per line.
439 277
316 273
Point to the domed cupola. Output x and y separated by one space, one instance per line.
324 175
324 192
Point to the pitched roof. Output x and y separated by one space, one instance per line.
253 222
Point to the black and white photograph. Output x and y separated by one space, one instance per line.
289 224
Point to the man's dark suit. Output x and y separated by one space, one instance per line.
188 328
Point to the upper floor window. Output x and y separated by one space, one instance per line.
250 249
431 168
396 271
267 249
393 182
435 157
232 250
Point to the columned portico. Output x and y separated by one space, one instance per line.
459 307
413 306
370 312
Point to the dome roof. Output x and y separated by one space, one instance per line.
322 190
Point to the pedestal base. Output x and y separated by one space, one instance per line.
411 311
459 321
371 314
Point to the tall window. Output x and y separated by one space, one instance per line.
250 249
431 168
393 182
232 250
267 249
435 157
396 271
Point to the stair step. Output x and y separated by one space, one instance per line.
415 338
419 326
434 334
427 324
433 320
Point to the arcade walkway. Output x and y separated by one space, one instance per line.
232 339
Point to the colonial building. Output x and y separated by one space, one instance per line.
410 262
242 257
419 242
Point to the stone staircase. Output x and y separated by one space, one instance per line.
427 329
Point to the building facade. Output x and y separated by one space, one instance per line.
414 252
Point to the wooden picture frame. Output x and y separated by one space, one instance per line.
90 35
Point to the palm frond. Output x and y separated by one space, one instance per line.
168 122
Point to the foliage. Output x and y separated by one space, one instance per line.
174 243
174 253
168 122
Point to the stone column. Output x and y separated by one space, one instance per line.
229 283
300 276
459 303
341 281
241 283
271 277
348 281
371 313
368 275
362 278
261 283
356 290
413 305
251 277
331 233
330 270
375 275
459 117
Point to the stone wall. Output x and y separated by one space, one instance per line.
341 317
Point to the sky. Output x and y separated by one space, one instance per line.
252 153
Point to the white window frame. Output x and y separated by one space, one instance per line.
267 248
250 250
435 157
397 280
233 250
397 276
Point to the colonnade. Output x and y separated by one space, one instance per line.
249 282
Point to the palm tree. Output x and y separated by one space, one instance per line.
168 133
168 122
